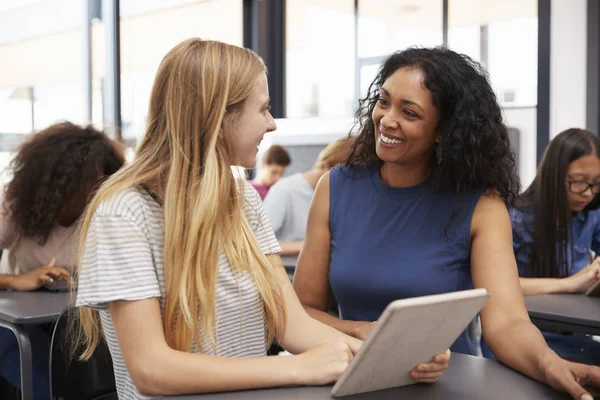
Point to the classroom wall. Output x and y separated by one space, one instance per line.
568 58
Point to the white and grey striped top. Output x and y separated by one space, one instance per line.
123 260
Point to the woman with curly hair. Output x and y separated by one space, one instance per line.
54 174
420 207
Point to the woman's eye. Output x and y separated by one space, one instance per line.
410 114
381 101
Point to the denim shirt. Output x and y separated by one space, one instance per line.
585 231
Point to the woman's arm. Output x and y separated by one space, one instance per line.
290 248
535 286
156 369
576 283
505 322
302 331
6 281
34 279
311 279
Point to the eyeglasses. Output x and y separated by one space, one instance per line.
579 187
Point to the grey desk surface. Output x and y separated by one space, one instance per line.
32 307
467 378
571 312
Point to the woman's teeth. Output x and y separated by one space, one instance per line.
388 140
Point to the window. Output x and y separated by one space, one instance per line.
503 37
385 26
149 29
320 58
41 77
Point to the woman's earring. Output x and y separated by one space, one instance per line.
438 152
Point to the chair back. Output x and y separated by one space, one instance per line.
72 379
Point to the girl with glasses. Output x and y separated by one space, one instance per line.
556 231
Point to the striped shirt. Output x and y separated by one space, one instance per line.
123 260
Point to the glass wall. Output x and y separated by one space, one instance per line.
503 37
149 30
319 58
332 52
41 76
404 23
327 71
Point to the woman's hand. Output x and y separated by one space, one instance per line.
583 279
323 364
571 377
432 371
36 278
363 329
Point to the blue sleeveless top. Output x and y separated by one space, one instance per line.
394 243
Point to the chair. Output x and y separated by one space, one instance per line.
71 379
8 391
109 396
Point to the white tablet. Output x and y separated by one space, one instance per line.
409 332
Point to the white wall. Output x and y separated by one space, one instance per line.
568 59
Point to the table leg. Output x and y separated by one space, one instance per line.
26 363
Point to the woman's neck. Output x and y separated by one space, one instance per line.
401 176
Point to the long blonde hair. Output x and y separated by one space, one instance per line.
200 85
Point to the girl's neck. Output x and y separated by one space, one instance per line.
156 188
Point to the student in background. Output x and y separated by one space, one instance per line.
272 167
179 265
54 174
555 229
289 200
420 207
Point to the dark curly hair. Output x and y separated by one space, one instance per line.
473 138
53 174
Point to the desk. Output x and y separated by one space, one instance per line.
565 312
26 308
289 262
467 378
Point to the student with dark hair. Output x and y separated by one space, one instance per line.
273 165
421 207
54 174
556 229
